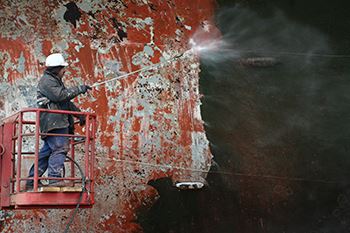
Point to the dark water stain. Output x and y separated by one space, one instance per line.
152 7
120 30
288 121
287 125
184 211
73 14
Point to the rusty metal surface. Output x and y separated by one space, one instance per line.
279 132
149 125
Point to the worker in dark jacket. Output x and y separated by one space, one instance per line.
52 94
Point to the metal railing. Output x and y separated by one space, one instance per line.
87 138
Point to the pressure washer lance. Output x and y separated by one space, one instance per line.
140 70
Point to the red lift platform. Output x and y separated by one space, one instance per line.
21 131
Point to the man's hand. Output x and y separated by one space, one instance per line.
82 120
84 88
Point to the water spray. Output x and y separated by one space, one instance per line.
195 47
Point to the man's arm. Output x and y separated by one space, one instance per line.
56 92
73 107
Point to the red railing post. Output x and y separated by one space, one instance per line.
92 175
36 159
19 153
13 159
72 154
87 141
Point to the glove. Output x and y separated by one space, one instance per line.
82 120
84 88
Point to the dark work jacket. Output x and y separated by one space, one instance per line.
52 87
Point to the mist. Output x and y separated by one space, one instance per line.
245 34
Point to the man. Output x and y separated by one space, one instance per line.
52 94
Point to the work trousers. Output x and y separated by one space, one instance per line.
52 156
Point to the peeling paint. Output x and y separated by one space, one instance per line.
148 123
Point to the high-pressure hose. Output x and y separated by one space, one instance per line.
140 70
83 182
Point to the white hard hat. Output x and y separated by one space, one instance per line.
55 59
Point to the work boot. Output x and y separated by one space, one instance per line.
60 183
30 186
